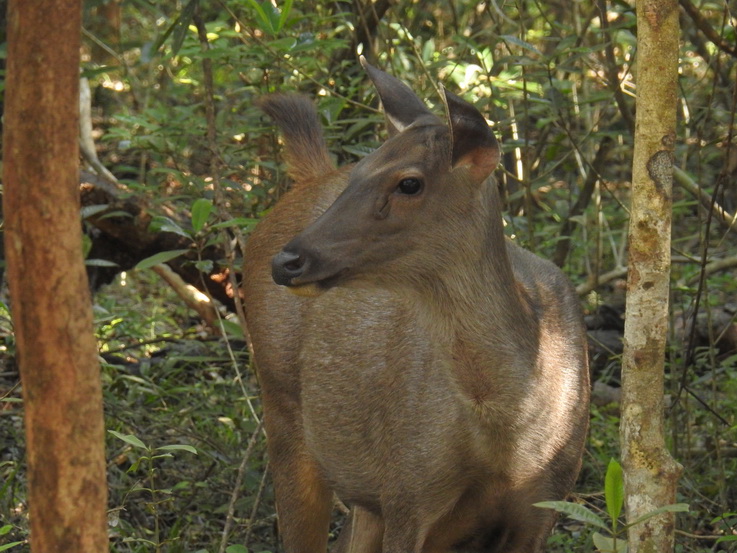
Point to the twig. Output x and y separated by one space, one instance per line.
292 66
10 391
501 13
367 24
209 93
237 486
214 168
703 403
711 212
613 71
107 182
722 215
695 14
697 536
563 246
256 503
597 280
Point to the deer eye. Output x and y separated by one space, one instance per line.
409 186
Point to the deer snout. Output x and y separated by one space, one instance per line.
286 266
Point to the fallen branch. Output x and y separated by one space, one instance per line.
715 267
595 281
190 295
722 215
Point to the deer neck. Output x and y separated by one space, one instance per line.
477 304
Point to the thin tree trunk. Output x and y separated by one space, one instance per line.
50 300
651 474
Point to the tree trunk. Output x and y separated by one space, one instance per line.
651 474
50 301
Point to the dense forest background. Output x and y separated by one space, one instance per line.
178 164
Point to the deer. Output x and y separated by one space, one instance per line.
413 361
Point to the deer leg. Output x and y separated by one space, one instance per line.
406 526
530 529
303 499
362 533
535 541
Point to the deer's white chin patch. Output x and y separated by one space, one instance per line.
309 290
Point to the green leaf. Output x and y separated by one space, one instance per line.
236 549
177 447
360 151
574 511
286 45
90 210
242 222
273 14
201 210
614 491
7 546
269 18
672 508
86 245
285 11
164 224
726 538
204 266
100 263
723 517
162 456
606 544
134 466
521 43
161 257
129 439
181 26
5 529
262 19
428 51
232 329
117 213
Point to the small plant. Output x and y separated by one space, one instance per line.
614 539
729 522
146 461
6 530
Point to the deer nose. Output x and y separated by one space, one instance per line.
286 266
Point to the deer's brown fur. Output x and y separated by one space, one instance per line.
437 381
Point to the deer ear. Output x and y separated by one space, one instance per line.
402 107
474 144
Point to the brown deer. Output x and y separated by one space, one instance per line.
426 370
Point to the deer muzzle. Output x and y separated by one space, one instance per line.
287 266
292 270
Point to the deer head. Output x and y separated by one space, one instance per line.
410 208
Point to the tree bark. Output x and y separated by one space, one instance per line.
651 474
50 300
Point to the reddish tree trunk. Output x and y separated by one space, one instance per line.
57 353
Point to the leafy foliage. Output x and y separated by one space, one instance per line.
613 540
